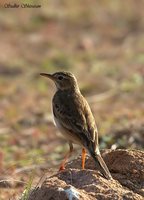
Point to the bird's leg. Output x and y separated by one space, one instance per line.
83 157
62 166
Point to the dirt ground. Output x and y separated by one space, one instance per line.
126 167
102 43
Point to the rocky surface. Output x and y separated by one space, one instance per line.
126 167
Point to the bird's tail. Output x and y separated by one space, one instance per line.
101 166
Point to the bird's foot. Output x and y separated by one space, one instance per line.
61 168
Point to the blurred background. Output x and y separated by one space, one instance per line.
102 43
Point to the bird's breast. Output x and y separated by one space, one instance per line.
66 133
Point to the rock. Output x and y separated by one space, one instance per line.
126 167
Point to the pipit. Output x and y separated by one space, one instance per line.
74 119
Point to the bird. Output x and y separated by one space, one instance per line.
74 119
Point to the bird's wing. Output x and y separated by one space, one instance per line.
91 125
76 117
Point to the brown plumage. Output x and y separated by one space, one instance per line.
74 119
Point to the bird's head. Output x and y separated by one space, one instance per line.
63 80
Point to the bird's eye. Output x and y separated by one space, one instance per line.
60 78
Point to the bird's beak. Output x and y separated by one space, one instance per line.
50 76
